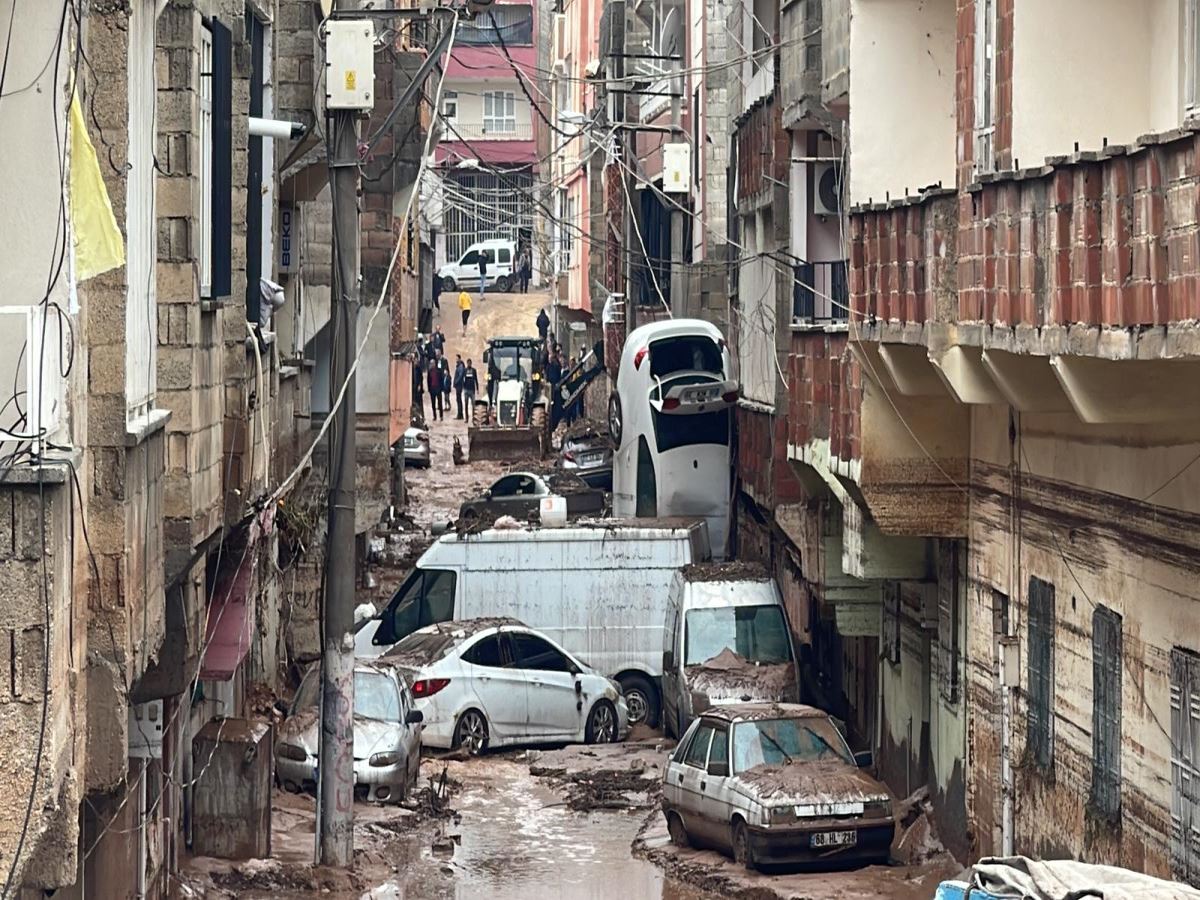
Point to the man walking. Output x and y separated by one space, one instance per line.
482 272
444 366
470 384
524 269
543 324
459 371
464 305
438 340
435 391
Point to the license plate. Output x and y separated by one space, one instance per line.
834 839
701 395
410 443
591 457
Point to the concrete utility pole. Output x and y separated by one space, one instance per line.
678 302
336 750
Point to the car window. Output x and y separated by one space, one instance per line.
309 692
376 697
672 431
471 258
775 742
439 596
755 633
684 742
485 653
425 599
697 752
720 746
508 486
505 255
688 353
535 653
528 486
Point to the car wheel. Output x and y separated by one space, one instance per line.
471 732
677 830
614 419
504 283
742 853
470 514
601 724
641 699
448 284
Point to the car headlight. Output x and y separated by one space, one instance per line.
781 815
390 758
292 751
877 809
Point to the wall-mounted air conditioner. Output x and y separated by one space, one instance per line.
827 188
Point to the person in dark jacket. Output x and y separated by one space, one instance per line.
437 410
459 370
470 383
524 269
543 324
554 370
482 272
438 340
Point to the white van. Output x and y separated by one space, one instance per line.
598 589
501 267
726 640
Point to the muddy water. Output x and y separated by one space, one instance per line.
518 842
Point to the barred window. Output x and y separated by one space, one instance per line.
1185 764
1040 674
1106 712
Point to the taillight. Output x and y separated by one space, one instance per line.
670 403
568 456
639 356
423 438
427 687
730 397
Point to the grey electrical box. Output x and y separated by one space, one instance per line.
350 64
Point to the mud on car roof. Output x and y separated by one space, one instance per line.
431 643
725 571
750 712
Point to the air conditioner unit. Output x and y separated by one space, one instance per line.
827 189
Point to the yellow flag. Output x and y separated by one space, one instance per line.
98 243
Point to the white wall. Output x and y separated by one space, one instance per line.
1084 70
756 319
902 123
470 101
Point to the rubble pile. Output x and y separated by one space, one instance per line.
617 777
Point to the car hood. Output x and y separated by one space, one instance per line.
370 735
730 678
821 782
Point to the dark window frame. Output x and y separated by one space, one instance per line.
1185 763
1039 667
1105 797
221 186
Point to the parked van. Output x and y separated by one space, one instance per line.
501 267
726 640
598 589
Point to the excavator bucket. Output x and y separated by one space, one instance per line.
489 439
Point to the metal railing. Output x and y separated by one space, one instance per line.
504 131
820 292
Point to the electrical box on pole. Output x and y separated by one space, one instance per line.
677 168
350 64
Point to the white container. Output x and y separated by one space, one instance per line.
554 511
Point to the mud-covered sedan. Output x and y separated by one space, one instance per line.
387 735
775 783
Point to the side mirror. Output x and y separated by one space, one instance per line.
578 686
414 717
864 759
719 768
668 661
487 495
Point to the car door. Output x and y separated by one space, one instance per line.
411 732
673 781
714 793
555 708
688 778
467 267
497 685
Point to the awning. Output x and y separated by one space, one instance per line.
230 624
448 152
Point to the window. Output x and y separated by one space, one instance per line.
985 84
1191 53
566 232
1185 764
1106 712
376 697
485 653
515 486
672 431
499 112
1040 675
206 159
504 256
697 753
755 633
511 23
219 191
534 652
891 621
950 561
774 742
450 105
426 597
720 746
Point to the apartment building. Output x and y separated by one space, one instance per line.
156 486
484 184
997 450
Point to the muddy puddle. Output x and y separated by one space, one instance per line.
517 841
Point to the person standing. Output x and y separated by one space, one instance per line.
418 389
543 324
459 371
525 269
554 370
435 391
470 386
438 340
493 375
447 379
482 272
464 305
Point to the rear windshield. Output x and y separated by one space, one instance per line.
692 353
674 431
422 648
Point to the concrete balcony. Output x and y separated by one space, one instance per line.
492 131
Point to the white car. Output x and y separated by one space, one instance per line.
483 683
501 258
669 420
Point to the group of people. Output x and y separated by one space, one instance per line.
555 367
432 372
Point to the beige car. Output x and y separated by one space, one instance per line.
775 783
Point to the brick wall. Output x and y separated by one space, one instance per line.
763 469
763 152
825 396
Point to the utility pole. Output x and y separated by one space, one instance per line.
678 302
343 50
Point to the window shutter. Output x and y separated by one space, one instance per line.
1041 672
222 160
1106 705
1185 764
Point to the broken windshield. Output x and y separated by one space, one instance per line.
756 633
776 742
375 695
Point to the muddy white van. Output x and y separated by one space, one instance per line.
726 640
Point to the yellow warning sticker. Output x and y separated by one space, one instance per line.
351 80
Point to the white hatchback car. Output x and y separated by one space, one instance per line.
484 683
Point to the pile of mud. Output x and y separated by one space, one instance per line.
730 676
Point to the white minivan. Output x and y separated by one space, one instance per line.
599 589
726 640
501 267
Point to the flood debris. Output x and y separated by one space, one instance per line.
730 676
616 777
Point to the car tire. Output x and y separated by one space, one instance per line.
448 284
677 830
601 725
504 283
470 514
615 421
743 853
641 698
471 732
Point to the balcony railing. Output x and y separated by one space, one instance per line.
509 131
820 293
